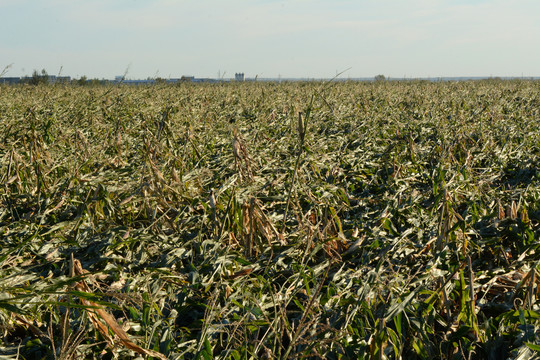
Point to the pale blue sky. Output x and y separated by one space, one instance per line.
271 38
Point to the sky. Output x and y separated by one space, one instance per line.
270 38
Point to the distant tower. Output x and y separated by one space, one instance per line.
239 77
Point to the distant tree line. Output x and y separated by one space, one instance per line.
39 78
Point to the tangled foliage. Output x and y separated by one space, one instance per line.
264 220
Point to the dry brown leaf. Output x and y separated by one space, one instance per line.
240 273
97 312
12 179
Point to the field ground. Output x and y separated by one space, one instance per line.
294 220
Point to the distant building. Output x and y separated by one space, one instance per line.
51 79
10 80
239 77
58 79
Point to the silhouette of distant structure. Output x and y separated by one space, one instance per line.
239 77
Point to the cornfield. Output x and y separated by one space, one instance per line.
385 220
